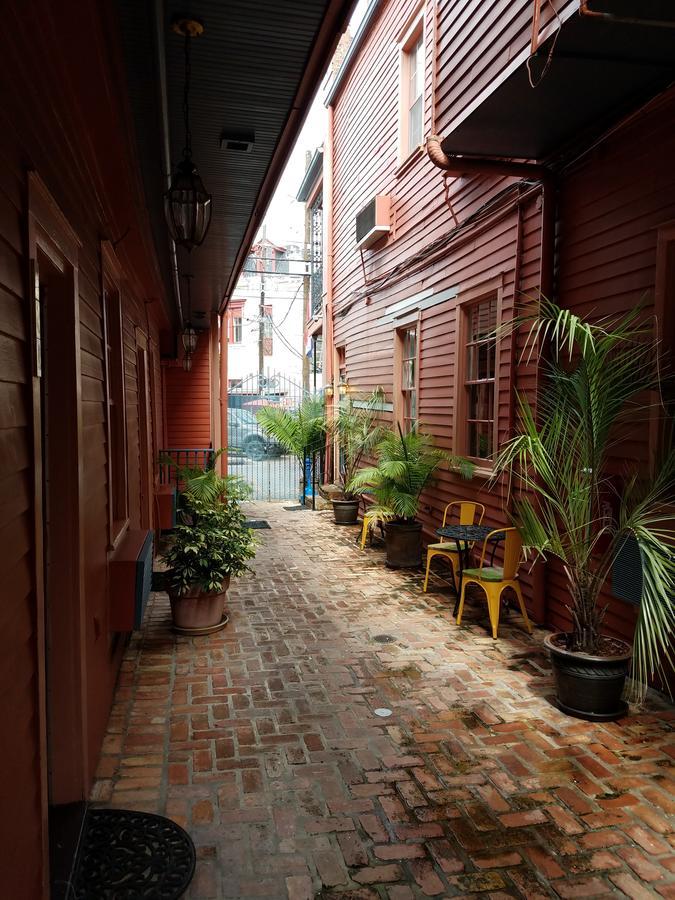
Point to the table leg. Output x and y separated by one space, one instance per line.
458 583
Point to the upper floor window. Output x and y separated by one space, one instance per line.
235 323
236 329
412 88
480 363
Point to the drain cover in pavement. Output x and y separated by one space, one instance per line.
295 508
257 523
383 712
385 639
132 854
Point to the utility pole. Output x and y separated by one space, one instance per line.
261 316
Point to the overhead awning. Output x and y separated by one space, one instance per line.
600 69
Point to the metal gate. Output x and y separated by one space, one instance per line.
272 472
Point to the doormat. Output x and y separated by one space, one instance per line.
296 508
132 854
257 523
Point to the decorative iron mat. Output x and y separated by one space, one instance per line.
126 855
257 523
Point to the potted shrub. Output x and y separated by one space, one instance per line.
357 432
301 431
210 546
563 461
405 467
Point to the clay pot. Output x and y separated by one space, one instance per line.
345 512
196 611
589 687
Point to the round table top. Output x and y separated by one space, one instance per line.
468 532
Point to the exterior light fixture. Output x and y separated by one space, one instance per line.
187 362
189 336
187 203
343 386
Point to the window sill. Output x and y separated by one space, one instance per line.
409 161
119 529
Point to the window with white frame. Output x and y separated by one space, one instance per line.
407 339
479 376
412 87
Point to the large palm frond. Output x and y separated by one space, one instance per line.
300 431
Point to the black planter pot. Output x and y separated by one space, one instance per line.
589 687
404 545
345 512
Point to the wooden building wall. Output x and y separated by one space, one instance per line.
188 400
610 208
71 131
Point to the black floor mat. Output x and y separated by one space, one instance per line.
295 508
127 854
257 523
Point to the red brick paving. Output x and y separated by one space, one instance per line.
262 742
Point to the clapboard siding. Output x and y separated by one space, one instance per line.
75 138
188 400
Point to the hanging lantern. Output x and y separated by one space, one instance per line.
187 362
187 203
189 337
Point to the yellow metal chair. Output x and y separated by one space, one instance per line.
467 516
494 579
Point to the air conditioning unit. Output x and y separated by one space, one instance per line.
130 573
372 223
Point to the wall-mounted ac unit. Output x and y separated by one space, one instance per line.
372 223
130 572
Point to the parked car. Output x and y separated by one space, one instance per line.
245 435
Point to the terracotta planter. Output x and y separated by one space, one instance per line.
404 545
198 611
345 512
589 687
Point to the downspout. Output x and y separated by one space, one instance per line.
466 165
166 149
330 377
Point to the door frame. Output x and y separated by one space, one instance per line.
49 233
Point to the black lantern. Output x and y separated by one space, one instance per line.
189 336
187 203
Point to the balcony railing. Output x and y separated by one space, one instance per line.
175 458
316 291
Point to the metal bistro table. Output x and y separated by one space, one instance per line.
463 535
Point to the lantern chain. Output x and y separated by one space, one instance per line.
187 149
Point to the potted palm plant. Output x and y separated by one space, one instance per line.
563 462
358 433
208 548
301 431
406 464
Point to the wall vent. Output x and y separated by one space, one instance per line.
372 223
239 141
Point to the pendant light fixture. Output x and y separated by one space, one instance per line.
187 203
189 336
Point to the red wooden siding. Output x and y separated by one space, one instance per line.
80 152
188 400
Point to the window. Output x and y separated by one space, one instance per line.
117 452
412 88
479 379
236 328
407 340
268 332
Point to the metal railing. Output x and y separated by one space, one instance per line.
175 458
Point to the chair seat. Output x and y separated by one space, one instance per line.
488 573
450 548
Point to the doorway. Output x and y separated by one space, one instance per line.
58 370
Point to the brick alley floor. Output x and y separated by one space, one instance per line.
263 743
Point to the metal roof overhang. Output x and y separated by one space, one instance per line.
600 70
255 69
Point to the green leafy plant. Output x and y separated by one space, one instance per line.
357 431
301 431
561 469
406 464
212 541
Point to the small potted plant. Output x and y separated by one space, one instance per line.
208 548
357 432
570 506
405 467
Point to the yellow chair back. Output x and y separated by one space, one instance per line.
467 512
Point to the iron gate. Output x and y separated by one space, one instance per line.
272 472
